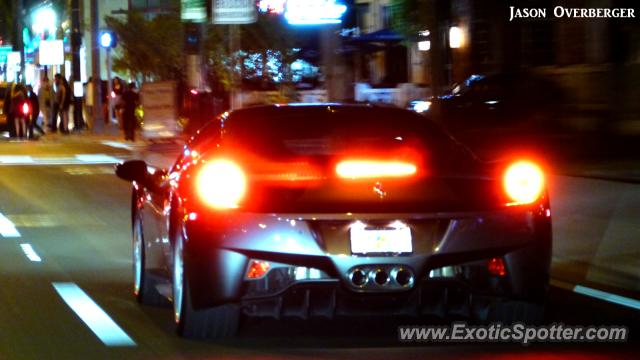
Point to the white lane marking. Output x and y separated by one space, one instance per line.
6 228
55 220
78 159
92 315
607 297
16 159
89 170
118 145
31 254
98 159
616 299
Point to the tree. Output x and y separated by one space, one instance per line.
148 49
267 46
412 16
6 21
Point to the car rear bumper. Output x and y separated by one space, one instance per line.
221 250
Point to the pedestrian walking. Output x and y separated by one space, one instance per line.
45 97
57 102
20 108
63 99
118 89
34 112
128 105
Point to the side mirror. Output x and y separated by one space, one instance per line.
132 170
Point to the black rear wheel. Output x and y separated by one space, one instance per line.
216 322
144 282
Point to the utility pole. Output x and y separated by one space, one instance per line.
19 41
236 81
78 122
436 53
98 122
332 63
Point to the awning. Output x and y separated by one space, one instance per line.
384 35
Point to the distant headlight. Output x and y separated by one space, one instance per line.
222 183
421 106
523 183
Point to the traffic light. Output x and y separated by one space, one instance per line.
192 38
108 39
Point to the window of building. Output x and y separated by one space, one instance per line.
387 16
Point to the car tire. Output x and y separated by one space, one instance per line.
144 282
213 323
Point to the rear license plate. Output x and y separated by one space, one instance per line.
389 240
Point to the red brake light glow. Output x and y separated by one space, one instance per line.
363 169
496 267
25 108
523 183
222 183
258 269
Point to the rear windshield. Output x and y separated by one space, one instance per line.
330 134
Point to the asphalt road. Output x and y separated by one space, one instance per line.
72 213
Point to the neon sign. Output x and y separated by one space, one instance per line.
271 6
314 12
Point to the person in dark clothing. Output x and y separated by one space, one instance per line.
128 104
65 103
20 109
58 100
35 112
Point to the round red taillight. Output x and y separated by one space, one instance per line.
222 183
523 182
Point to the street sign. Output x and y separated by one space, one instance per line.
51 52
311 12
4 50
159 105
194 10
234 11
13 61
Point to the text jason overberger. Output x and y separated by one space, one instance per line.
559 12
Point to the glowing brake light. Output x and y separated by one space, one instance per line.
360 169
258 269
222 183
523 183
496 267
25 108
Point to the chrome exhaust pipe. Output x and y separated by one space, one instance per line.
380 277
402 277
358 277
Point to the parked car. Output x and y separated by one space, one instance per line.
5 101
336 210
501 100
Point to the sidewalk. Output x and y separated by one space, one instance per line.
161 154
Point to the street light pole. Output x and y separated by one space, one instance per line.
98 122
109 85
78 122
19 41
